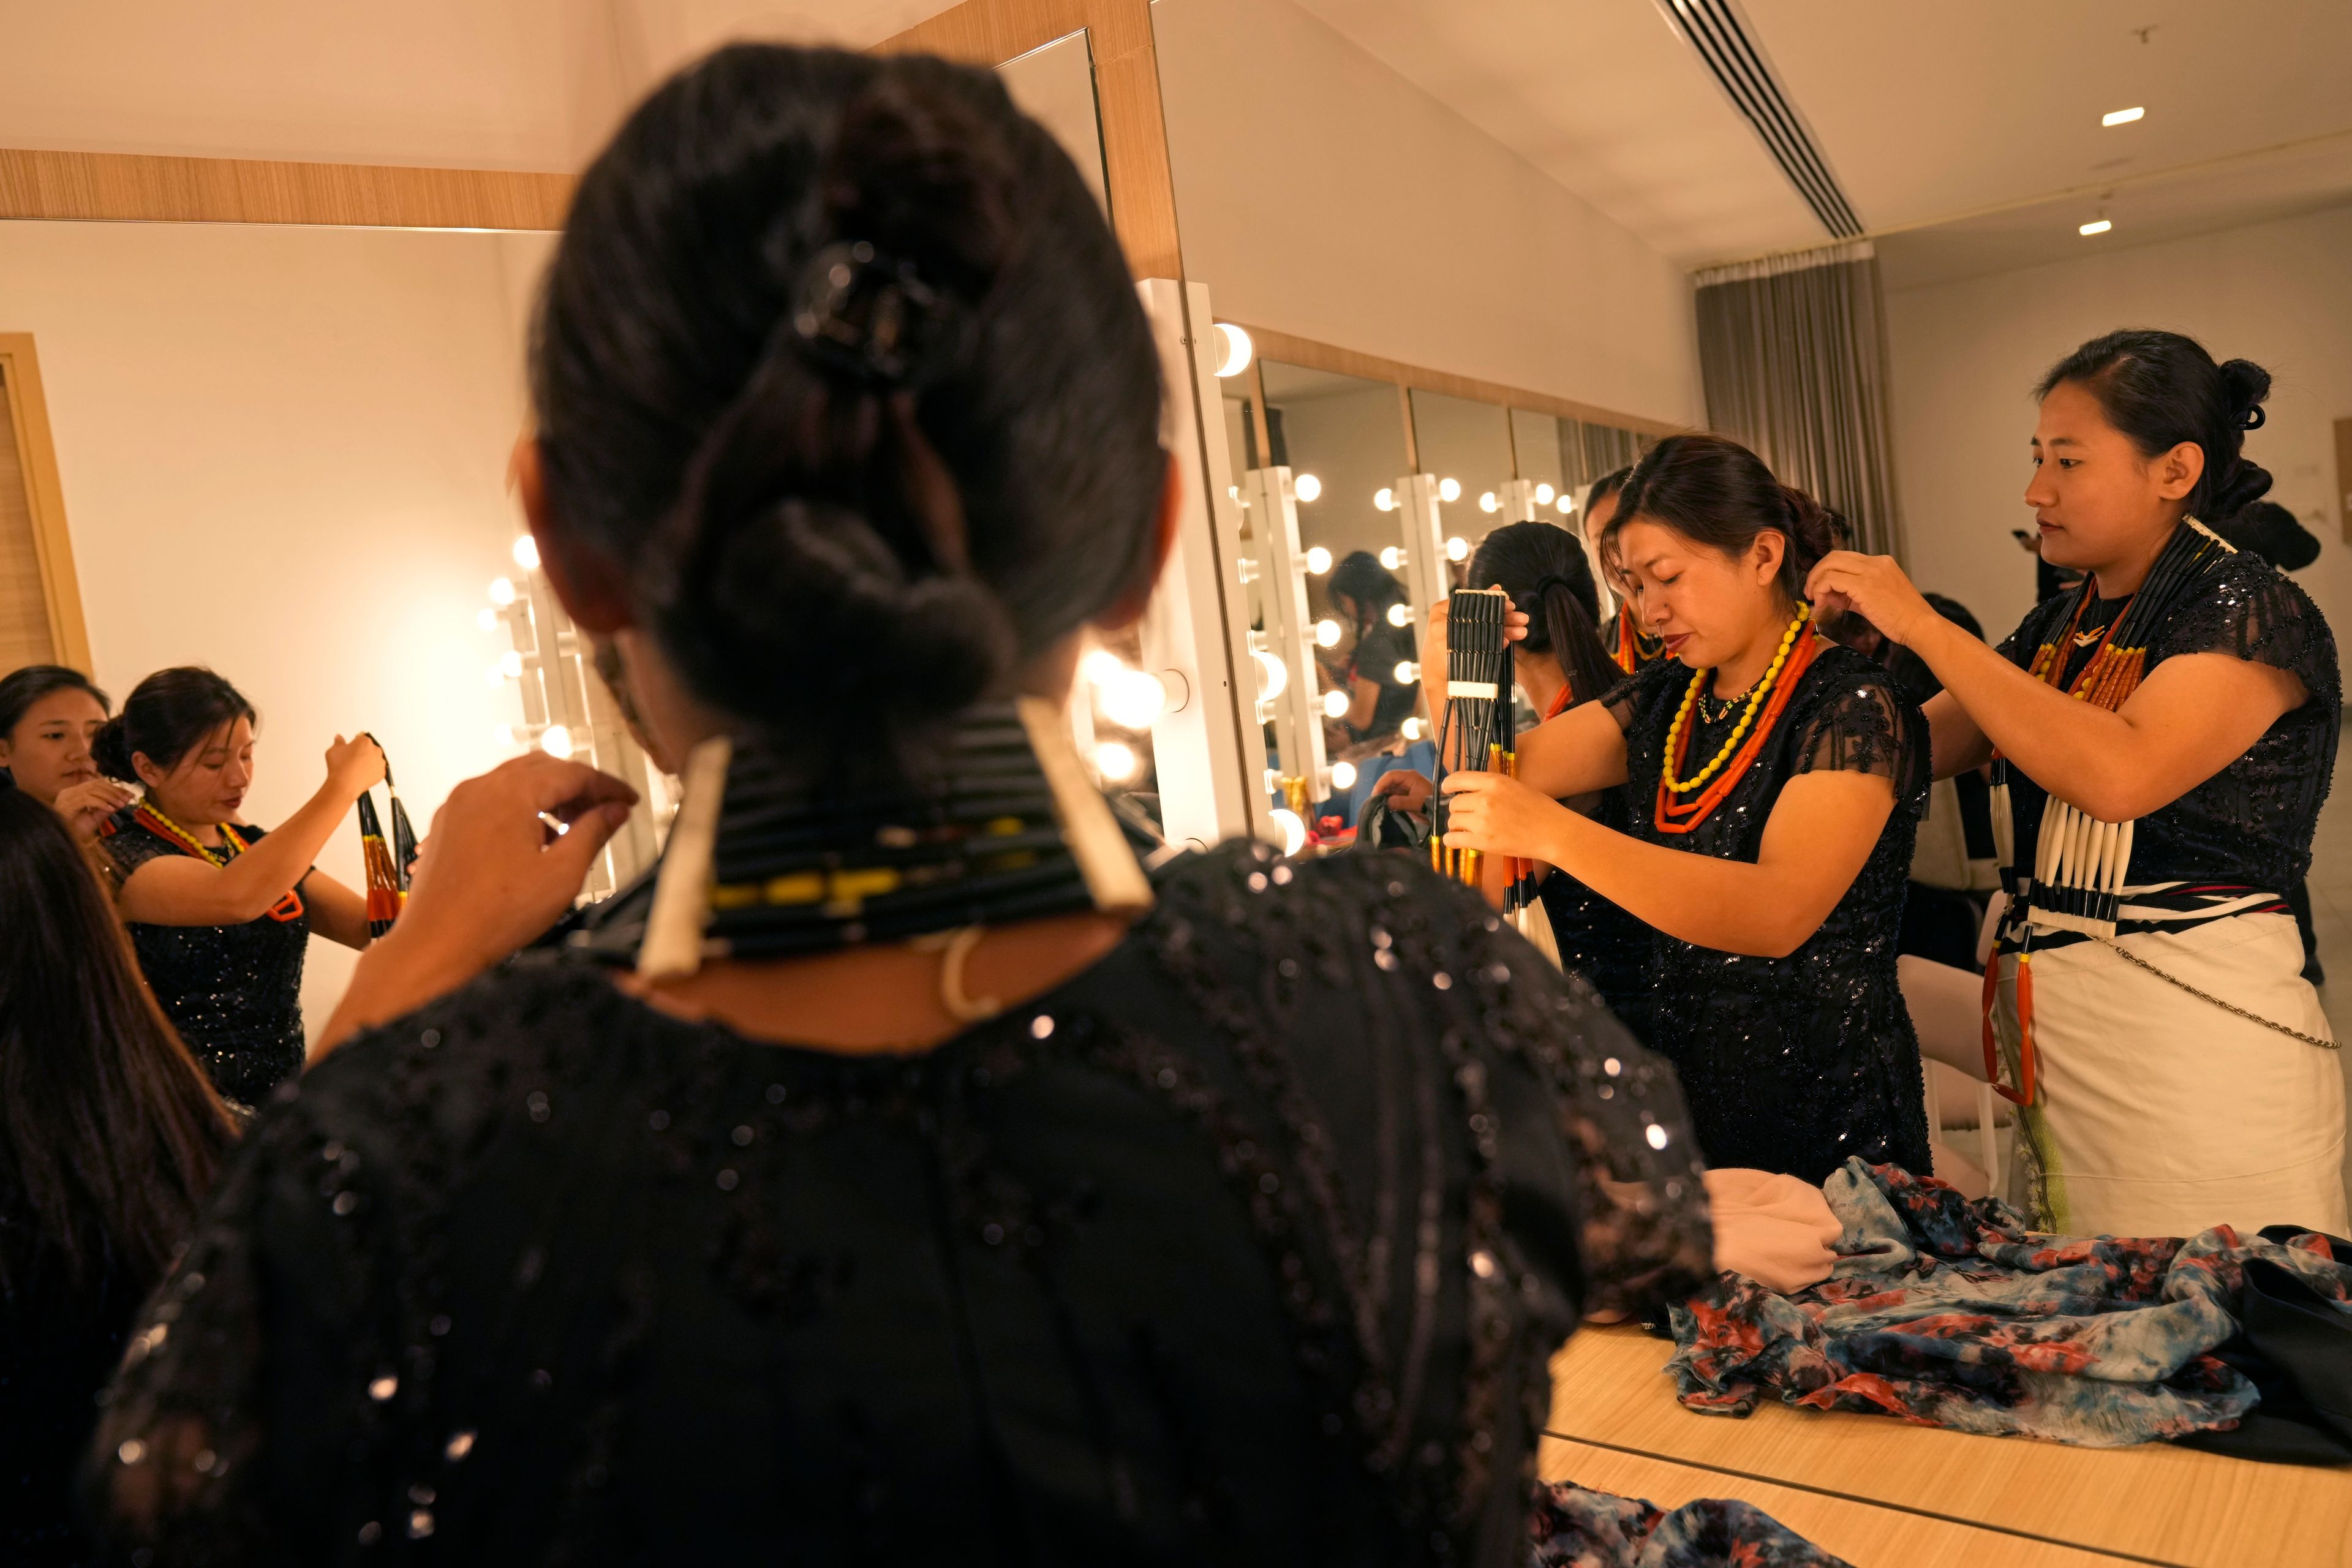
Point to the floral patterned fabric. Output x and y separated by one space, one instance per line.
1949 1313
1575 1528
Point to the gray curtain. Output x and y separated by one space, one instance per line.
1793 354
1589 451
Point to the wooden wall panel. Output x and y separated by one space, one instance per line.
36 471
1313 355
142 187
1126 101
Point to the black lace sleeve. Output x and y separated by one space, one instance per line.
130 847
2250 610
1863 723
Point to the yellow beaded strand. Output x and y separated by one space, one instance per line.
1754 703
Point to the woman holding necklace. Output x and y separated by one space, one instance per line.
48 716
1775 781
908 1174
2166 733
220 912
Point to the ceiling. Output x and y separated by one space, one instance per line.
1975 127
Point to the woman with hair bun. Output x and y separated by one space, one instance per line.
2165 734
221 912
1774 785
908 1177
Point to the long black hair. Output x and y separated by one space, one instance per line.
1543 571
109 1133
1717 493
839 365
2161 389
1371 587
166 716
2268 530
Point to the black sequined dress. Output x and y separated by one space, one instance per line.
1597 938
235 992
1247 1244
2251 824
1793 1063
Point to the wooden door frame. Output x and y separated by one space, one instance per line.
29 414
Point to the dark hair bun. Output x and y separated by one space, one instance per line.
804 618
110 750
2245 385
1814 530
915 173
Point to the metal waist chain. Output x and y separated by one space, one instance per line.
2130 957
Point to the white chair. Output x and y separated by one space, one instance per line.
1946 1006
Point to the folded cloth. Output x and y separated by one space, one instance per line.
1572 1527
2295 1343
1950 1314
1776 1229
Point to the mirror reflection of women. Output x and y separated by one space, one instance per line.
1362 593
2182 1074
221 912
1775 781
48 716
989 1224
109 1138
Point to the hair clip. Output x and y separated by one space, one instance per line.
2253 418
870 316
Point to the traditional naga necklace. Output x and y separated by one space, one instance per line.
233 844
763 863
1766 698
2075 880
1634 647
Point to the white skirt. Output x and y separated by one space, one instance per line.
2160 1114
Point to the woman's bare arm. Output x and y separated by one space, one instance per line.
1821 830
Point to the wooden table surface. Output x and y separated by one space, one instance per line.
2152 1503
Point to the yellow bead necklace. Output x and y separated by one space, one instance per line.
1755 702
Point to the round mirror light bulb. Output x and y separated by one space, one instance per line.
1293 830
504 735
487 618
1343 775
1234 349
1449 489
1400 615
1306 487
1411 728
1487 502
526 553
1407 672
1327 633
502 592
1101 667
1543 495
1115 761
1384 499
1318 560
556 742
1273 676
1135 699
1391 558
1335 704
511 665
1457 549
1567 502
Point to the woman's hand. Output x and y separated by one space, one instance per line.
355 766
1403 789
1874 587
492 877
86 805
1501 815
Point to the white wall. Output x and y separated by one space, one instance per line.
1965 356
1319 192
283 453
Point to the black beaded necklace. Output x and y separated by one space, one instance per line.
792 867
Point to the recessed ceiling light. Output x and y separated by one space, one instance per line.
2121 117
2099 227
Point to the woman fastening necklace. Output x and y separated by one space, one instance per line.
1775 782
